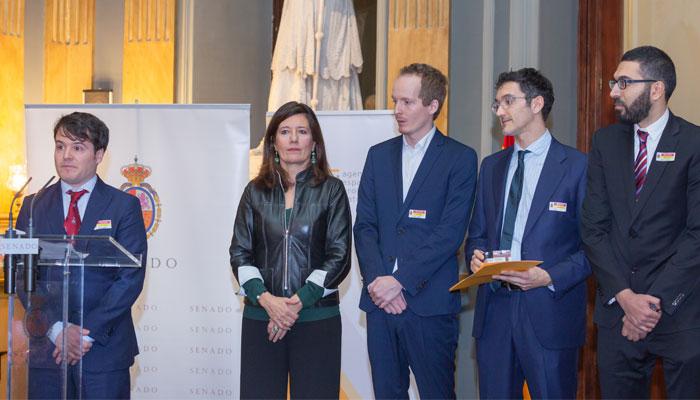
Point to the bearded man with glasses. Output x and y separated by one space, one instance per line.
641 231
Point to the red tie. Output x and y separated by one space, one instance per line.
640 165
72 222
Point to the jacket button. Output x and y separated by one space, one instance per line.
401 231
634 269
391 258
632 233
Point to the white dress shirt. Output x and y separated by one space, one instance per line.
411 157
654 130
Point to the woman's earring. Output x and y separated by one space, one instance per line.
277 157
313 155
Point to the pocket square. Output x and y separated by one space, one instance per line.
103 224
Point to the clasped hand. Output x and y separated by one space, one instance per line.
283 312
76 346
642 313
387 293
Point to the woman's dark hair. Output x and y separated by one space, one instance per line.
267 176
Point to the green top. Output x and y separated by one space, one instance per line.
309 294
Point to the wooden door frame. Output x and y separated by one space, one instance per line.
600 44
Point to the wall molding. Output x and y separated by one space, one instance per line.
524 40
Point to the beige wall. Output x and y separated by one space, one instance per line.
671 25
419 32
11 95
149 51
68 46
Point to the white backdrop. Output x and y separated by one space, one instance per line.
187 318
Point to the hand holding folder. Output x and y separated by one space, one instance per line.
488 270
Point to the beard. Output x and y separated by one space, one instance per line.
637 111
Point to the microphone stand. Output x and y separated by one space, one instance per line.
10 259
30 260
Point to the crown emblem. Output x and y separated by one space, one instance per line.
136 173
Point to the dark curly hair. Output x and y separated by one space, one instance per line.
533 84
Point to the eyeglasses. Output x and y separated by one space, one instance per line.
505 102
622 83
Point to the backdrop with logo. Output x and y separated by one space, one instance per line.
188 165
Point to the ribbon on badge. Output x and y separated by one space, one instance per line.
103 224
419 214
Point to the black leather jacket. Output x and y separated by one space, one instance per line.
318 236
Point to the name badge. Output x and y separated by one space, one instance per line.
103 224
420 214
665 157
557 206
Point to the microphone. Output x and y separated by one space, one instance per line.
30 259
8 262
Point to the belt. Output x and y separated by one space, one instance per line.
510 286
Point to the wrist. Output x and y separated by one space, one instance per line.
263 298
623 295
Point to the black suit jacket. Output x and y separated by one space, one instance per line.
650 244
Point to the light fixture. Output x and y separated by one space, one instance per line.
17 178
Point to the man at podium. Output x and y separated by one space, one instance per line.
82 204
529 325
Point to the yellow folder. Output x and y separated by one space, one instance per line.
488 270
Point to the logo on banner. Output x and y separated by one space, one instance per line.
136 174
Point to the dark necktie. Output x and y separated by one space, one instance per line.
514 194
640 164
72 222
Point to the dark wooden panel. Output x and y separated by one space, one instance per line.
599 49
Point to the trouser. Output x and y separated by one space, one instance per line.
426 345
625 367
45 383
309 355
508 353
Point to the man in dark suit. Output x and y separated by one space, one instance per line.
529 325
641 230
414 201
82 204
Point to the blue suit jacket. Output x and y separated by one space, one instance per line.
109 293
426 248
558 317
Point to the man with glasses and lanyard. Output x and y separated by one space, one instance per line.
529 325
641 231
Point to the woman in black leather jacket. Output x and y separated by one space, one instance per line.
290 250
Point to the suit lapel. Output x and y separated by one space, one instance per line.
668 143
55 216
552 173
397 170
432 153
99 200
500 176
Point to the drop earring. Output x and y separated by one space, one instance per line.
313 156
277 157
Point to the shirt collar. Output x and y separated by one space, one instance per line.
89 186
538 147
423 143
656 128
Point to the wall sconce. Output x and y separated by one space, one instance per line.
17 178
